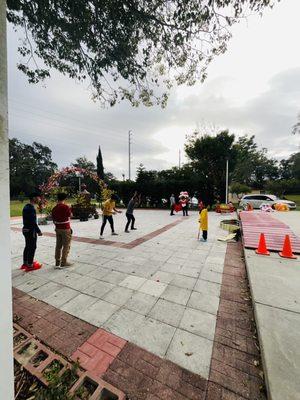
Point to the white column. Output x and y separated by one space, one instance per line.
6 337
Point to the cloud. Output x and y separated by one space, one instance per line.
61 114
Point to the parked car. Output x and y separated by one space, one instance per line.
256 200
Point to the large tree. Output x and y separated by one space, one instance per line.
126 49
100 167
30 166
83 162
253 166
208 155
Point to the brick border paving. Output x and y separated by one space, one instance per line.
112 243
235 372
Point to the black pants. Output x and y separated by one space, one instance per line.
172 209
30 247
185 210
130 219
204 235
108 218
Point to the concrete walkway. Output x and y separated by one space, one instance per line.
162 295
275 288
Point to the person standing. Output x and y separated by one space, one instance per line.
184 202
109 209
134 202
61 215
30 232
203 220
172 203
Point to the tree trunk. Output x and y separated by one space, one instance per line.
6 333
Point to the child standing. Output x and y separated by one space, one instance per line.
203 220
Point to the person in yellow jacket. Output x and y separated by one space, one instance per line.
108 210
203 220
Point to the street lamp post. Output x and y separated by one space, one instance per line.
79 176
226 194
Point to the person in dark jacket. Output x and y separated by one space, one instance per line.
134 202
30 231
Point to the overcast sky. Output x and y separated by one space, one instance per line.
254 88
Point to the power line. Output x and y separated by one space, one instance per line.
49 116
129 154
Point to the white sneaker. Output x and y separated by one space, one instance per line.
101 237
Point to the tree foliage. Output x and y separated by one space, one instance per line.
30 166
126 49
208 155
83 162
239 188
100 167
253 167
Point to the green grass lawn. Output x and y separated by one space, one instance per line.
295 198
16 208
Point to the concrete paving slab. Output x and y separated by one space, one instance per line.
275 283
132 282
280 344
153 288
46 290
73 280
99 273
167 312
185 282
211 276
61 297
32 283
118 295
141 303
78 305
172 268
98 289
99 312
153 335
124 323
162 276
22 278
191 352
204 302
211 288
199 322
113 277
176 295
187 271
84 269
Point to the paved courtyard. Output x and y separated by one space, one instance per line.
161 292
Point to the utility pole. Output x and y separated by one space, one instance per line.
226 194
6 329
129 154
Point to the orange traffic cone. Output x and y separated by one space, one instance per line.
262 247
287 251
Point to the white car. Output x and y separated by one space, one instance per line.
256 200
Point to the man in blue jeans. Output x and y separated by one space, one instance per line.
30 231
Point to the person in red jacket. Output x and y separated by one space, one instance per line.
61 215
